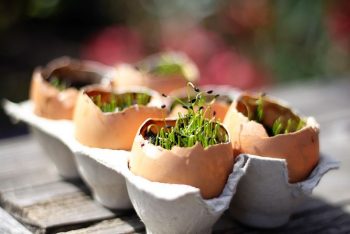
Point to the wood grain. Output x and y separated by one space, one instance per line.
315 216
23 164
54 205
9 225
31 191
130 224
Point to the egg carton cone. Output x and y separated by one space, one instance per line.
48 133
175 208
265 198
100 169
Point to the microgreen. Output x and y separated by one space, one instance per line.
162 66
255 110
260 108
167 69
207 98
189 128
58 84
277 127
118 102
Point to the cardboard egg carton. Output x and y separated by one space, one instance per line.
257 192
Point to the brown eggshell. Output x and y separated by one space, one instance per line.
127 75
51 103
115 130
206 169
300 148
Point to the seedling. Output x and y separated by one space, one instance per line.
58 84
254 110
208 98
119 102
167 69
162 66
191 127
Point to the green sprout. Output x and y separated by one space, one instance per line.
162 66
190 128
277 127
255 112
119 102
167 69
260 108
58 84
289 126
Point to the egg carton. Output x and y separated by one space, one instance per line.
177 208
257 192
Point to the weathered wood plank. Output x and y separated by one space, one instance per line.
23 164
31 191
15 143
9 225
33 195
28 179
123 225
54 205
316 216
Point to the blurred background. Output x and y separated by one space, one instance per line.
248 44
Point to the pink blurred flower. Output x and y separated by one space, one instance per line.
338 22
229 68
114 45
216 62
198 43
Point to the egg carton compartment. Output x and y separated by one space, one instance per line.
175 208
101 170
74 160
265 198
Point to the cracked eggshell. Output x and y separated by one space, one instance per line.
206 169
114 130
51 103
300 148
128 75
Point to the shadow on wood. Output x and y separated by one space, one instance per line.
314 216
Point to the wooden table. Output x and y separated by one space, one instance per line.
34 198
